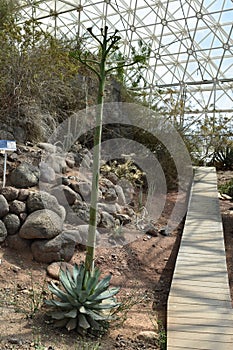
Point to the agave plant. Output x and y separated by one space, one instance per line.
84 303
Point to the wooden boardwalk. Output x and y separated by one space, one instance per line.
199 314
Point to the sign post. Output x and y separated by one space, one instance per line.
6 146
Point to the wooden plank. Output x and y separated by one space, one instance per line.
178 318
201 291
184 342
195 300
214 287
200 328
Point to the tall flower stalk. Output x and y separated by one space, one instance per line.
107 45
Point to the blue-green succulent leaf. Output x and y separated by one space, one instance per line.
71 324
72 313
82 321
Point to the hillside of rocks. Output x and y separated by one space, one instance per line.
44 206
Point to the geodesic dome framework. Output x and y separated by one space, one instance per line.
190 69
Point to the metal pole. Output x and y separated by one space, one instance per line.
4 170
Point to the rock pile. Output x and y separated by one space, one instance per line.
45 207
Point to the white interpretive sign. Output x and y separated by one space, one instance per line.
6 146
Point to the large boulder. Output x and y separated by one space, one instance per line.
4 206
12 223
43 200
42 224
3 232
60 248
24 176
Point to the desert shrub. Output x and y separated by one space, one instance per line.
39 81
223 158
125 169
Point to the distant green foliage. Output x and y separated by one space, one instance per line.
128 74
226 188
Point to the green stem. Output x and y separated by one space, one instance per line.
91 243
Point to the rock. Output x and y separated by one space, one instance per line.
17 207
109 207
64 194
4 206
24 176
22 216
43 200
151 230
104 182
48 147
73 219
127 189
86 158
120 195
13 157
10 193
112 177
59 248
107 220
84 188
123 218
75 234
54 268
23 194
17 243
12 223
65 181
83 231
3 232
57 162
148 337
47 174
110 195
41 224
77 159
70 161
164 231
80 213
15 341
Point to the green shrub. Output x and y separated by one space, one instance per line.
227 188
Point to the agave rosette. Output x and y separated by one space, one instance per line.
84 302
